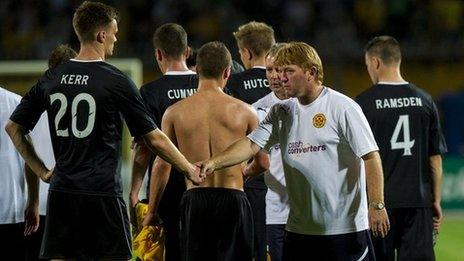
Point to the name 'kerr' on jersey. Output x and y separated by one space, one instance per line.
85 101
405 123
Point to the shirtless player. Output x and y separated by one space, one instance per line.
216 219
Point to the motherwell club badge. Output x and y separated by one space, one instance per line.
319 120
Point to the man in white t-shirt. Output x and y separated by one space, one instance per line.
328 154
277 207
12 185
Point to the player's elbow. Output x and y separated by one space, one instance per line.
263 161
11 128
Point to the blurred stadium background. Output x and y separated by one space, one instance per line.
431 33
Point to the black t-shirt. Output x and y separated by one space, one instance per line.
86 102
405 123
249 86
158 96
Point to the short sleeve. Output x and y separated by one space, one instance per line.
357 131
131 105
31 107
437 141
266 135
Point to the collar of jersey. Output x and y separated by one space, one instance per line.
393 83
86 61
259 67
189 72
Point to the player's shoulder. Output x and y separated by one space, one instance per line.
10 97
420 92
339 99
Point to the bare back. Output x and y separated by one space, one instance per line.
205 124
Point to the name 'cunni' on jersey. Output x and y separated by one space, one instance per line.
392 103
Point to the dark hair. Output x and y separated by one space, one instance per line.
91 16
212 59
171 39
60 54
386 48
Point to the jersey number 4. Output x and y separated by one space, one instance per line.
407 143
82 97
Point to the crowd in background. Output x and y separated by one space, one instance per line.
427 29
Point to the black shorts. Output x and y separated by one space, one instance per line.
257 199
12 246
352 246
410 235
216 224
85 227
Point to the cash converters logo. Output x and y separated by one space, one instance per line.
298 147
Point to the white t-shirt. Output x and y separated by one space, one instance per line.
13 192
40 136
322 144
277 207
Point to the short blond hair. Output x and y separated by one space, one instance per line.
301 54
255 36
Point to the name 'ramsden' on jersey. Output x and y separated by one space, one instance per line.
400 102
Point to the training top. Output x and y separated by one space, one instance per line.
277 206
321 145
86 102
406 126
13 193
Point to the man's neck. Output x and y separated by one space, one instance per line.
177 66
260 61
311 94
210 85
90 52
390 75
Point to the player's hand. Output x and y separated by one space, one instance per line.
437 215
31 218
151 219
46 176
195 175
378 222
207 167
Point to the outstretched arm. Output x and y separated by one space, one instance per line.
240 151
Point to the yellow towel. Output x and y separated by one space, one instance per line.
148 244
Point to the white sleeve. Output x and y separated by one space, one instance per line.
265 136
357 131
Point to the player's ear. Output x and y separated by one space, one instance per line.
158 55
376 62
311 73
249 54
101 36
187 52
226 73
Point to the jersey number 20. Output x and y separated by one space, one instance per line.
407 143
82 97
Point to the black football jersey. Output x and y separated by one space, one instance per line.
249 85
406 126
167 90
158 96
86 102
